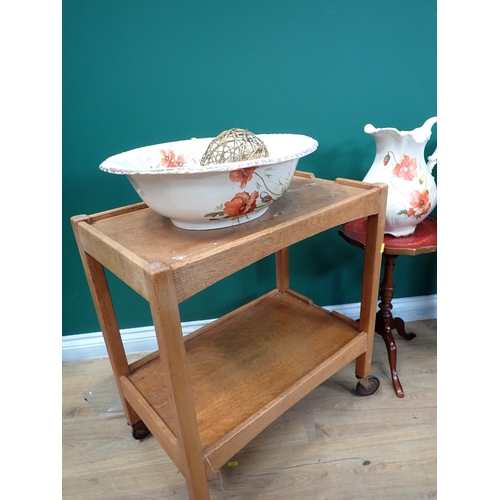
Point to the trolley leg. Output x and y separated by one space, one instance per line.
370 287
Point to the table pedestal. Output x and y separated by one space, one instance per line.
385 322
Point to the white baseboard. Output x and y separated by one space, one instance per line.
135 340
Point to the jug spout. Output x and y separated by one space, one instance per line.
370 129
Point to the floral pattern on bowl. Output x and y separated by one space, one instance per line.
243 202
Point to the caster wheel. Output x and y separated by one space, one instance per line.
368 386
140 431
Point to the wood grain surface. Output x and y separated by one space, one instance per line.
331 445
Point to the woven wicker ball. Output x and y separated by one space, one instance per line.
234 145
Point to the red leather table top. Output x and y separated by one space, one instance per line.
423 240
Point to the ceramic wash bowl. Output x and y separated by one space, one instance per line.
170 180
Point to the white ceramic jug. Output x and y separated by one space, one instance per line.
399 162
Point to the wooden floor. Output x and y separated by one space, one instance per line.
332 445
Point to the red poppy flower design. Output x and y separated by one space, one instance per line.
420 204
406 168
169 160
243 203
242 176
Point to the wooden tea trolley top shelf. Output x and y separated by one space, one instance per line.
206 395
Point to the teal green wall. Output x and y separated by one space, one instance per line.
150 71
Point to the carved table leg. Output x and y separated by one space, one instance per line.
399 325
385 322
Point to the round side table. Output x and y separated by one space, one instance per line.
423 240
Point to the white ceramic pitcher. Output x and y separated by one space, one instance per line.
399 162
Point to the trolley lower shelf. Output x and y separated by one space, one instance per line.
247 368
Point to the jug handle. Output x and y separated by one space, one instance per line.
432 160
